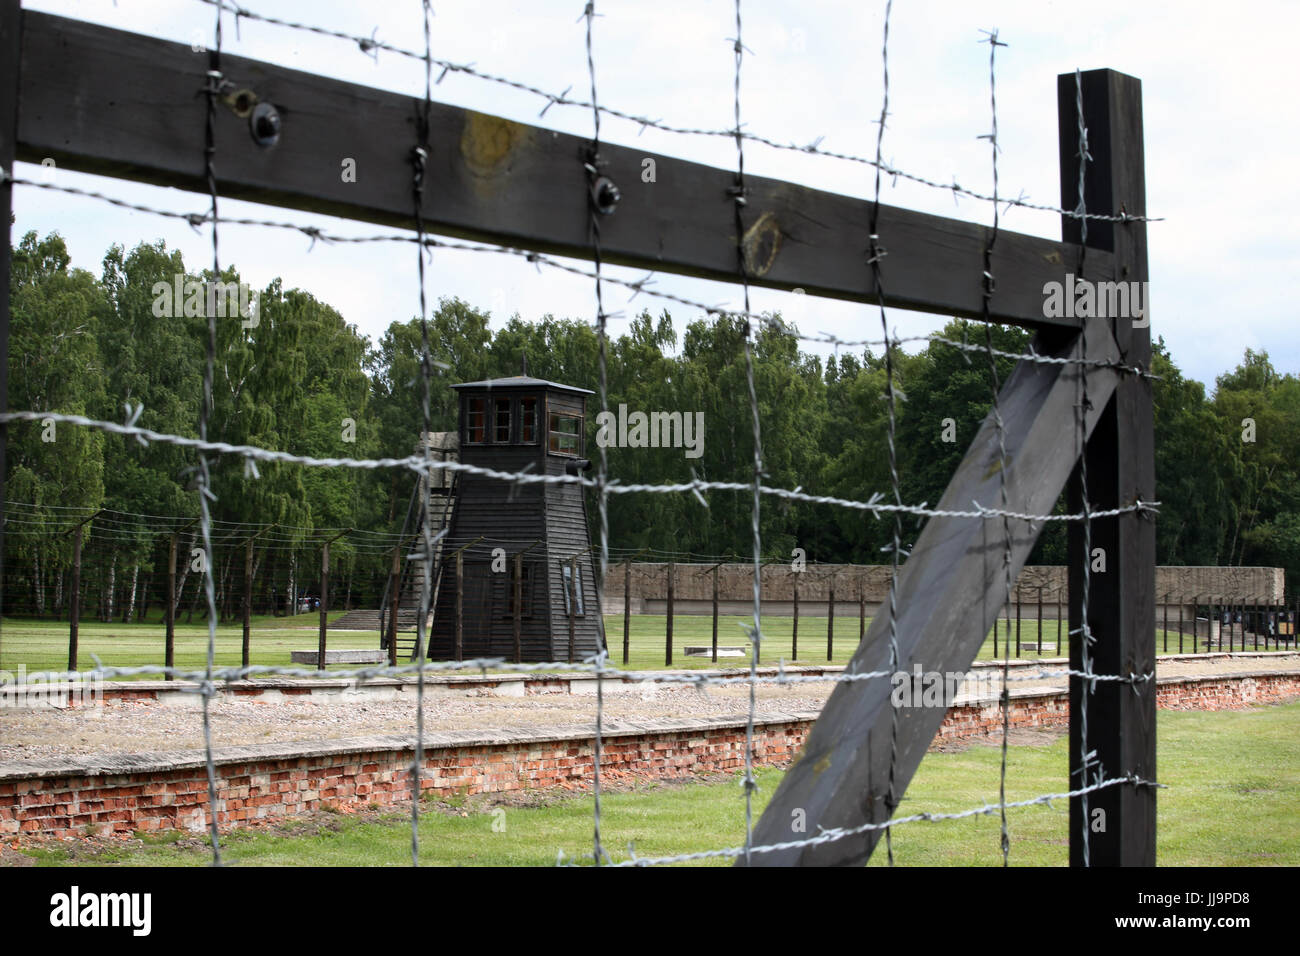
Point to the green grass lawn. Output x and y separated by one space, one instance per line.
1233 777
43 645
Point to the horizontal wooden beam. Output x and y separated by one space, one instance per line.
106 101
949 592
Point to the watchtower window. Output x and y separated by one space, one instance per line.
566 432
570 586
528 421
501 421
476 421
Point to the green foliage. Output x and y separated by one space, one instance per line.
304 380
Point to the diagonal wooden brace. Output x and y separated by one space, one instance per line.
949 591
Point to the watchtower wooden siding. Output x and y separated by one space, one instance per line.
550 517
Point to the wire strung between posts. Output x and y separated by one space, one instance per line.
424 466
695 679
215 83
875 505
371 45
990 284
420 156
638 287
841 833
877 252
756 635
592 167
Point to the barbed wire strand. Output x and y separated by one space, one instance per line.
990 286
841 833
877 253
206 407
756 637
875 504
638 287
420 156
777 675
594 212
424 466
371 45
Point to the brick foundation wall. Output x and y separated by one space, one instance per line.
362 774
269 782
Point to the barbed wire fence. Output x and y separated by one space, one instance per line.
878 506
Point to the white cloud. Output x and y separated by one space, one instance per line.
1220 141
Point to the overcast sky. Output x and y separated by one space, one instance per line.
1221 139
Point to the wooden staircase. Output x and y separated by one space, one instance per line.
439 505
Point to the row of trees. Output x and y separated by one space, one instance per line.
305 381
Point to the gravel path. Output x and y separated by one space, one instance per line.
151 727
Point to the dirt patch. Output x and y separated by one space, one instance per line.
145 727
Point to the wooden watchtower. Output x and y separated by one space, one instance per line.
506 539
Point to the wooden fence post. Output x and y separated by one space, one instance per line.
573 604
1017 619
830 621
1181 599
627 609
324 602
248 601
1121 721
248 597
715 614
394 603
518 606
1165 627
1042 643
325 596
668 635
169 610
459 650
794 648
862 608
518 614
74 617
10 60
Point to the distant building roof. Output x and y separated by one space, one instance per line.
522 381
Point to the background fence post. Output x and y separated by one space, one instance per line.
862 608
627 609
394 603
518 614
324 601
1042 642
248 597
668 637
459 649
1017 619
10 61
248 600
169 611
74 617
715 614
1120 460
573 603
794 649
830 621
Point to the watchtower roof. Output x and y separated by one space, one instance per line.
522 381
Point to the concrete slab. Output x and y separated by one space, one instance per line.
376 656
